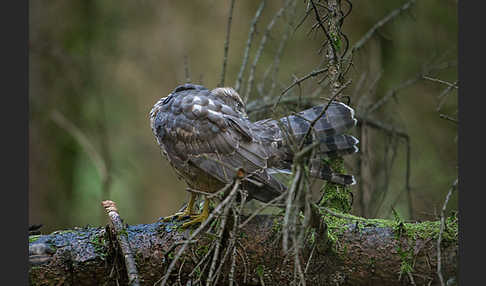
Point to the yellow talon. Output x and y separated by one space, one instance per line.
200 217
187 212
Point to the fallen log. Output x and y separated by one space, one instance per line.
360 252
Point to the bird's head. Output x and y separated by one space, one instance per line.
231 98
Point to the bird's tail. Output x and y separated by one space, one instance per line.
328 130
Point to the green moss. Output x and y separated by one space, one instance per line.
406 266
312 236
35 267
260 270
123 231
334 195
372 262
99 244
202 250
415 230
406 255
277 225
197 271
402 230
33 238
336 40
423 231
398 225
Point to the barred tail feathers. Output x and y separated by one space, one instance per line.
337 146
336 120
322 170
328 129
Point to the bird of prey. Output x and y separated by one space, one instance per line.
207 137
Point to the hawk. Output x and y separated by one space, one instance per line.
207 137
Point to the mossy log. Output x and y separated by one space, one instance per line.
361 252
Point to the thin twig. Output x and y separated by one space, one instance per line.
331 42
83 140
440 81
248 45
338 215
278 55
310 258
210 195
311 126
219 242
392 92
263 41
297 265
407 178
233 267
226 43
201 261
176 244
231 246
410 276
449 118
216 212
122 238
298 82
390 16
381 126
443 96
441 230
289 209
261 208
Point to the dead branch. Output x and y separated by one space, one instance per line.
441 231
263 41
226 43
390 16
119 231
251 33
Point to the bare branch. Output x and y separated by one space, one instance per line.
449 118
83 140
263 41
453 85
443 95
248 45
298 82
226 43
278 55
441 230
216 212
122 238
392 15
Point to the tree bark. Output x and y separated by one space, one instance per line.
364 252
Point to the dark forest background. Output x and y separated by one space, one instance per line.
97 67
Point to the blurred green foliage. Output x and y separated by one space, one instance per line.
103 64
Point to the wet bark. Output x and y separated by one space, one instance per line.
364 254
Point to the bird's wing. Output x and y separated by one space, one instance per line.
201 129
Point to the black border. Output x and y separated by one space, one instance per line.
14 117
471 144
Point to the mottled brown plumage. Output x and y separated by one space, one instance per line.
207 136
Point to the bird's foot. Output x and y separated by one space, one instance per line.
200 218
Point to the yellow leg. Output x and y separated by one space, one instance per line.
186 212
200 217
